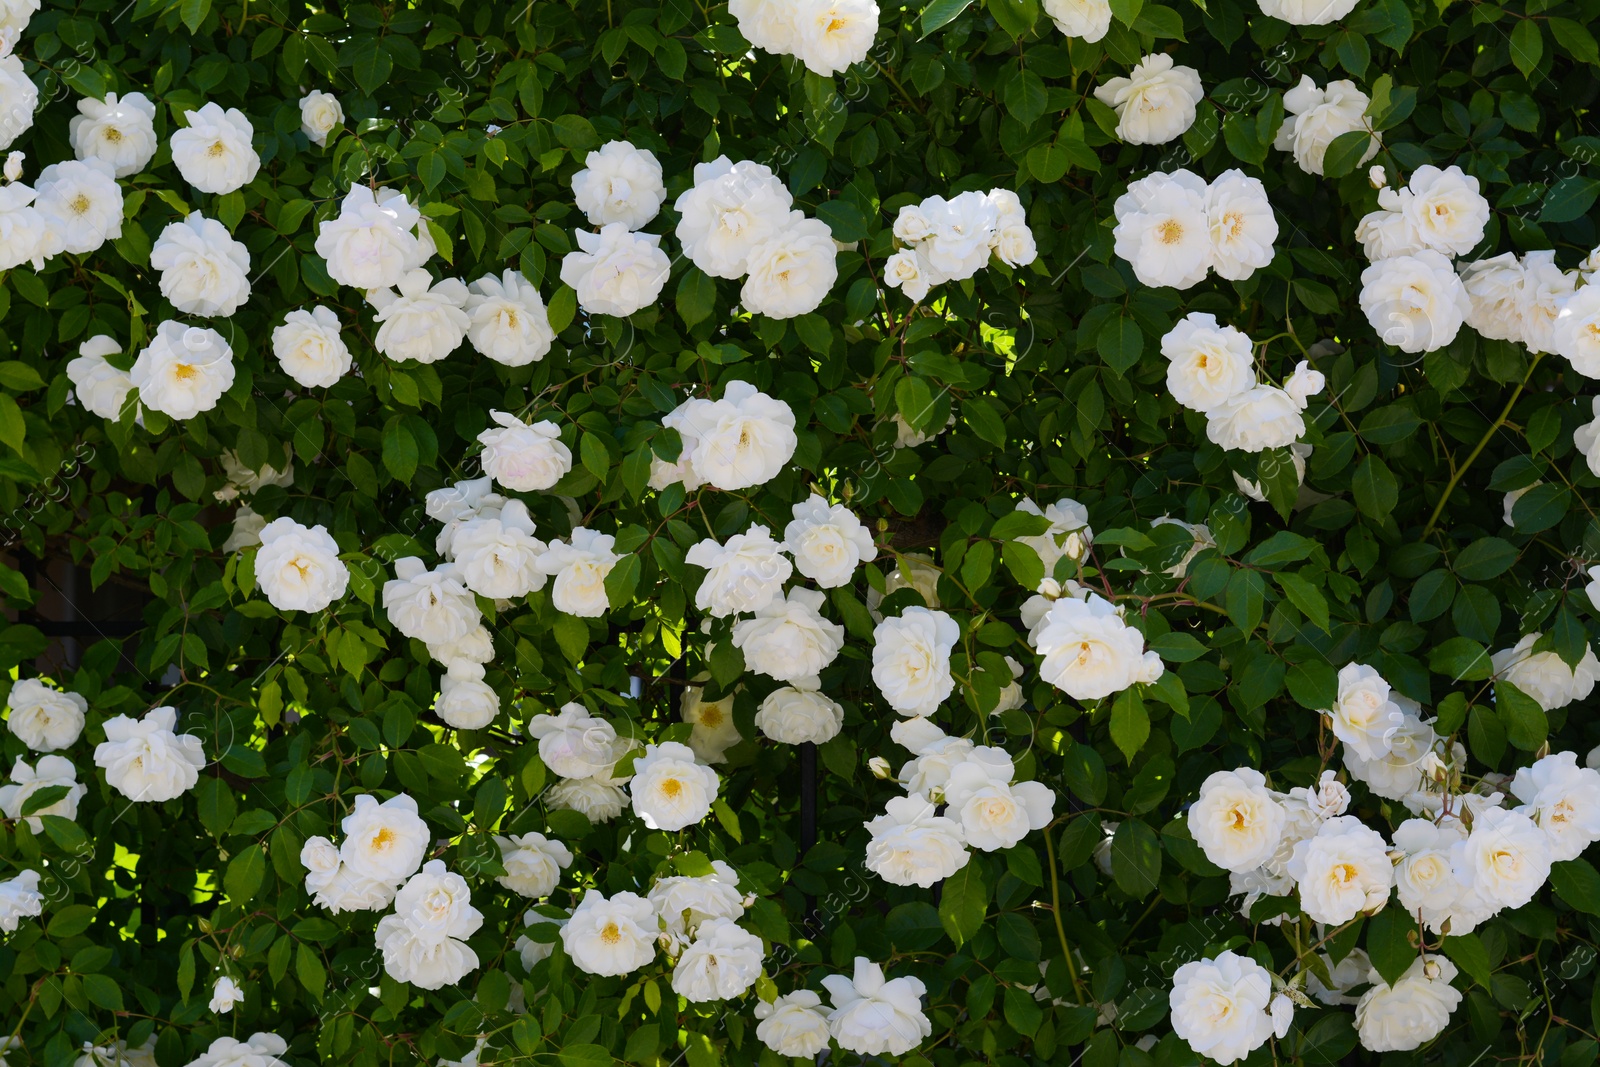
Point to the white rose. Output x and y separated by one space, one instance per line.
1545 291
961 234
498 557
424 941
791 272
1415 302
685 902
793 1025
743 440
100 387
1307 12
789 639
335 886
995 813
911 845
1413 1011
48 772
45 719
742 575
616 271
424 321
466 701
875 1017
298 567
532 951
1304 384
792 716
1156 102
120 130
909 272
1563 799
1237 821
714 730
145 761
1343 871
827 542
1015 245
619 183
375 240
19 97
183 371
1505 859
669 789
432 606
579 567
82 203
20 899
1363 716
1494 296
213 153
732 208
509 322
1223 1007
384 842
1162 229
1545 676
1208 364
310 349
610 937
1068 537
15 15
1242 223
723 962
1397 773
1426 878
830 36
225 994
26 235
1086 19
911 660
1387 232
533 863
598 799
320 114
1445 209
118 1054
1317 116
1090 652
573 743
259 1050
1576 333
767 24
1327 798
1260 418
524 458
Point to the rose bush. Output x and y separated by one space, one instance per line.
1007 531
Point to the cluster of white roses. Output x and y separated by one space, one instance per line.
1410 294
384 845
739 442
951 240
872 1016
984 806
739 221
1461 859
183 371
828 36
1175 228
1211 369
583 750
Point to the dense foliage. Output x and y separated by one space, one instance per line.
1446 513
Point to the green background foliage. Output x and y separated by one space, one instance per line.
481 113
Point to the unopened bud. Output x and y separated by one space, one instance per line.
1377 177
880 768
14 166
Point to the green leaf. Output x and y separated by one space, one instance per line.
1026 97
1487 557
941 13
1345 153
963 902
1468 953
1376 490
1389 942
1130 724
102 991
1135 858
1527 46
1570 198
309 969
1578 883
246 871
697 296
1524 719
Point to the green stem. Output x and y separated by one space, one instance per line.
1455 479
1055 913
